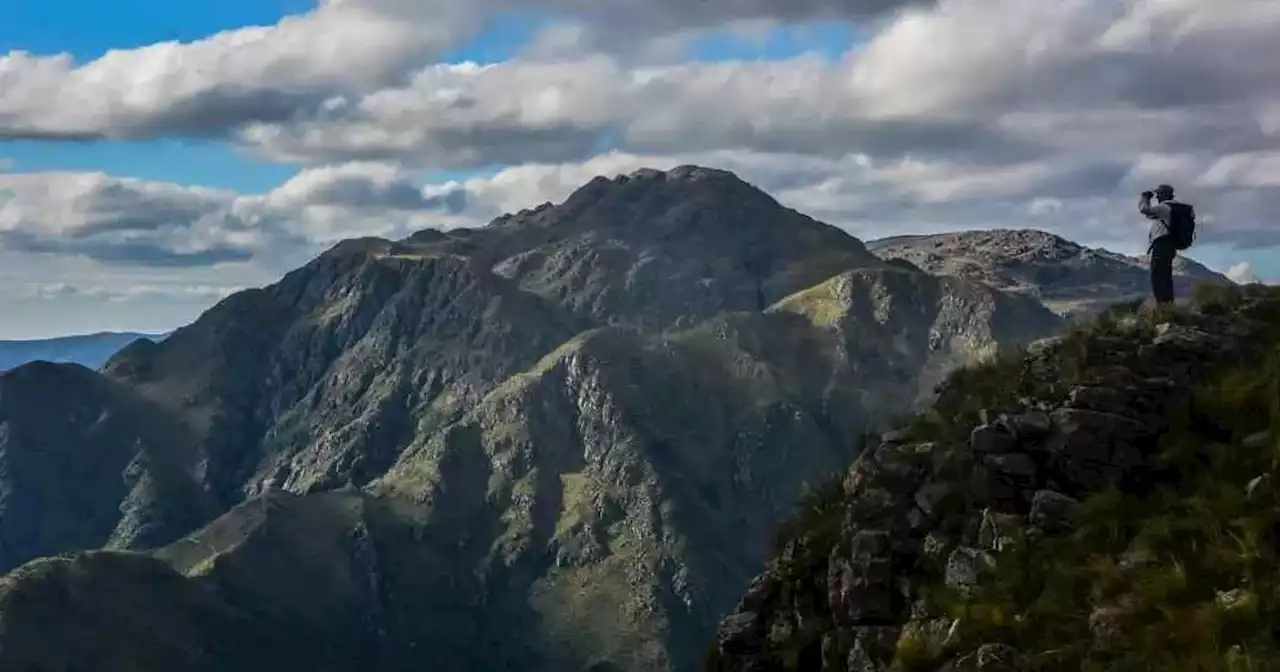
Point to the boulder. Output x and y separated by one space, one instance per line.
1028 425
1051 511
1019 470
1091 450
992 438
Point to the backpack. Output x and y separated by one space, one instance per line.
1182 225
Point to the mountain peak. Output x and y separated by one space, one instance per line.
689 173
650 186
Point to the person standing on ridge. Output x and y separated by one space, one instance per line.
1172 228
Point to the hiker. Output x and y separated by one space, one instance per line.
1172 229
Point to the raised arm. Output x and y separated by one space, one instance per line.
1151 211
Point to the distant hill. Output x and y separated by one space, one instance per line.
1068 278
90 350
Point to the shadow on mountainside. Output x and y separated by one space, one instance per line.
1101 501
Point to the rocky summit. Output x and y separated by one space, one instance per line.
560 441
1102 500
1070 279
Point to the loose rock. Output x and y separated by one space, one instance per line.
1051 511
965 566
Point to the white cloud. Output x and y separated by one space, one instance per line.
214 84
292 69
1242 273
953 114
123 294
971 81
129 222
1245 169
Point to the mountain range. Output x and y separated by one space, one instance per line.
560 441
91 350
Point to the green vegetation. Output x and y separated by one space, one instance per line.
821 304
1179 576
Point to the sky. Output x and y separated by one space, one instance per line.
155 157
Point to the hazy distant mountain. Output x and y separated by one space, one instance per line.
1067 277
91 350
558 442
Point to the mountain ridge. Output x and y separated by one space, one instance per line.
91 350
561 439
1071 279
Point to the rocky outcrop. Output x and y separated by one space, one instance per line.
1069 278
935 509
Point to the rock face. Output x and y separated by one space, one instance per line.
1070 279
87 463
557 442
874 570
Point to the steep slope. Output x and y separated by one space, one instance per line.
86 463
325 377
90 350
661 464
603 507
556 442
130 611
1101 501
895 317
321 379
1069 278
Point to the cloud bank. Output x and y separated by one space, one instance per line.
951 114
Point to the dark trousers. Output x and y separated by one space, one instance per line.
1162 254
